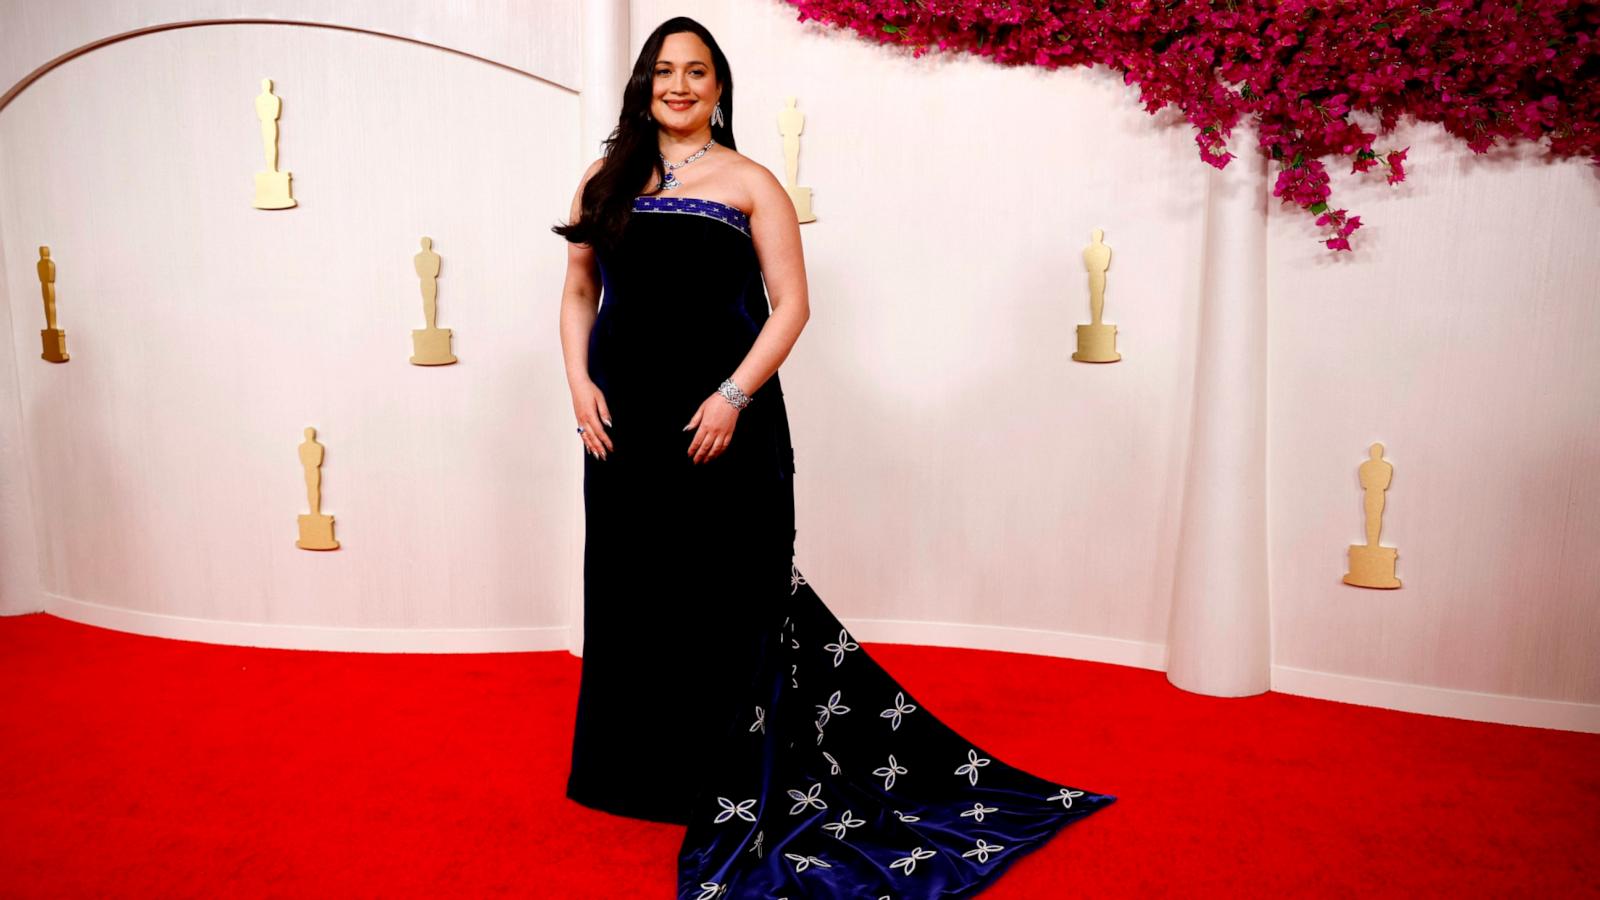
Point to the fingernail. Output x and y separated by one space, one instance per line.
608 423
685 428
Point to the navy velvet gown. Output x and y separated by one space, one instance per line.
718 691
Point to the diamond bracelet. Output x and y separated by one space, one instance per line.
735 396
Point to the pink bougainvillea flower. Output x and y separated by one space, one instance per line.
1304 73
1396 163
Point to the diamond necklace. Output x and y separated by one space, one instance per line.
671 181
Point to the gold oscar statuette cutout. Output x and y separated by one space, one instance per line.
1097 342
790 123
55 339
316 529
272 186
1372 566
430 346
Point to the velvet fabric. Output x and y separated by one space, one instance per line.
718 691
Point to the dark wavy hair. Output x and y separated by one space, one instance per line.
633 150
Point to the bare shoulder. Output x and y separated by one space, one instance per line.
758 184
577 196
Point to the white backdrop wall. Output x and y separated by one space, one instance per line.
1463 336
206 334
959 481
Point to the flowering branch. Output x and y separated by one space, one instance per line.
1486 70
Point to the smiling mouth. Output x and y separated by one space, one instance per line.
680 105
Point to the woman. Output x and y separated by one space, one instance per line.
717 690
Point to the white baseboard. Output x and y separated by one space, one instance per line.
1413 698
1093 648
1436 701
311 637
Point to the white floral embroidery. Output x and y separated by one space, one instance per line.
793 668
761 721
978 811
795 578
730 809
900 708
832 762
794 644
832 708
1065 796
839 649
809 798
974 762
909 863
801 863
710 890
889 772
756 846
905 818
819 732
845 823
982 850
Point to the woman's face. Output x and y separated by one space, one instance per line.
684 87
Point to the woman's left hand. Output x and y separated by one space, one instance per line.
715 418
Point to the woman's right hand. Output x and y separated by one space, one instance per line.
589 406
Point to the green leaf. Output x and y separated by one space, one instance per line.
892 29
1319 208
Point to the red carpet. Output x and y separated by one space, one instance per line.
139 767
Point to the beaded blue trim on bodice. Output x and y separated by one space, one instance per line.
695 206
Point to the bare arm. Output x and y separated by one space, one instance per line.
580 302
580 296
776 233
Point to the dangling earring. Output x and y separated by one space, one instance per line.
716 116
